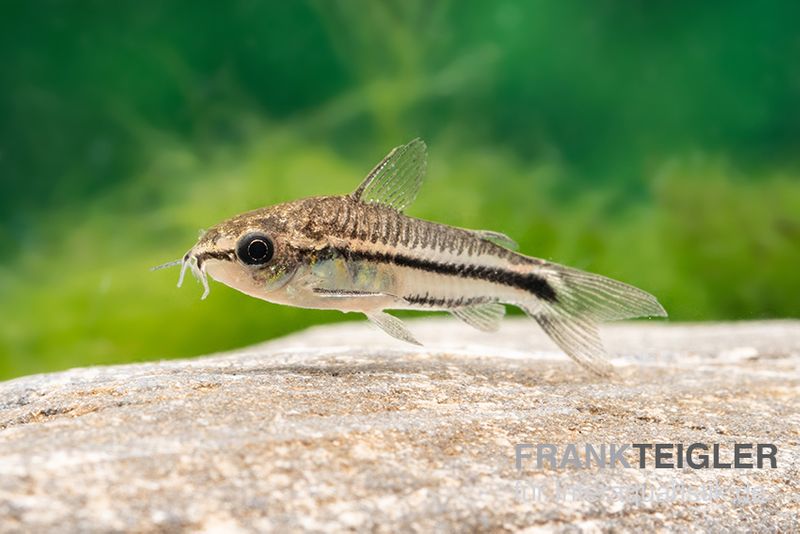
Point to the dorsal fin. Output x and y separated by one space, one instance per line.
395 181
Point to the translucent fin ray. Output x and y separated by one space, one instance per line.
578 338
392 326
396 180
484 317
602 299
497 238
582 300
346 293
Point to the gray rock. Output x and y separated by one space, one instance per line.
342 428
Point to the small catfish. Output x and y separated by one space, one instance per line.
361 253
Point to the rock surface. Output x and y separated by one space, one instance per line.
341 428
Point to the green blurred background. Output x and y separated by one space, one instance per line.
654 142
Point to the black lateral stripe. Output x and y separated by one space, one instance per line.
529 282
433 302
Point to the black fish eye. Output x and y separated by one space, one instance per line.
255 249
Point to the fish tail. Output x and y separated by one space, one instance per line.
578 302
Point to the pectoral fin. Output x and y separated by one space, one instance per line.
392 326
366 299
346 293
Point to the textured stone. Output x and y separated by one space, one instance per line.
343 428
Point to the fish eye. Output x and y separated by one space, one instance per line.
255 249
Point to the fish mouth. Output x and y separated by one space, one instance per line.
195 261
190 261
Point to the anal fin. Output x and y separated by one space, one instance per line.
484 317
392 326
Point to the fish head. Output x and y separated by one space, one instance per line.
253 253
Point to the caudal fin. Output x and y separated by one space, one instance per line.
581 301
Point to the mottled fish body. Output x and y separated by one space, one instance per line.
361 253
